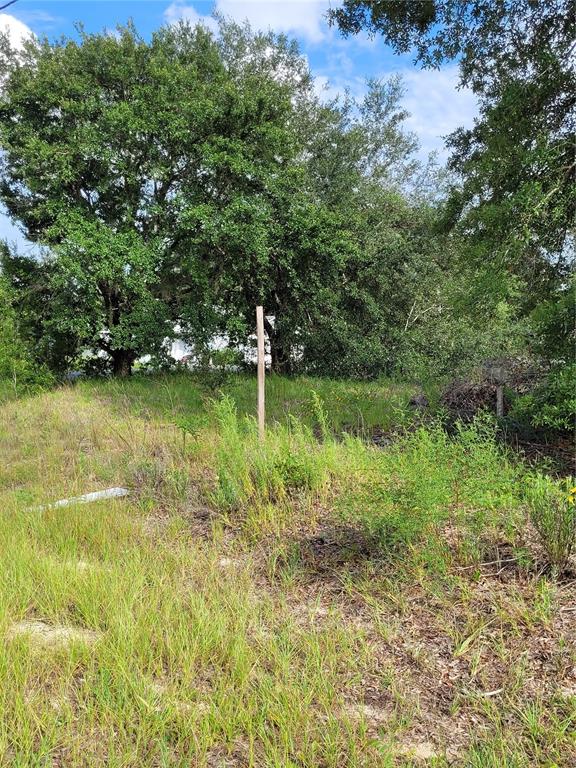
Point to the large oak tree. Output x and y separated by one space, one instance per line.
146 169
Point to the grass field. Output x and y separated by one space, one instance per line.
315 602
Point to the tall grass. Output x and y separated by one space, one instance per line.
353 406
199 658
289 462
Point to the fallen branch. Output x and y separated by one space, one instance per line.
487 694
482 565
109 493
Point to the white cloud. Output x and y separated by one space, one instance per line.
180 11
38 16
325 88
328 87
436 105
16 29
302 17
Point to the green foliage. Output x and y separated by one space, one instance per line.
105 288
515 196
553 404
159 482
552 508
147 208
358 331
30 285
200 657
20 373
365 164
320 415
163 221
554 324
217 367
472 314
408 493
351 406
159 222
249 472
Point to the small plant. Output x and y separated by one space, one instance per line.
290 462
189 426
552 508
320 415
296 472
218 367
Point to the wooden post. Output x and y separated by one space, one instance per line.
499 401
261 369
498 374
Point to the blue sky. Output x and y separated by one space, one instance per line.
436 105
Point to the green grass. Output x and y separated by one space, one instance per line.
354 406
310 602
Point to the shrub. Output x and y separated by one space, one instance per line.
552 405
320 415
406 494
217 367
552 508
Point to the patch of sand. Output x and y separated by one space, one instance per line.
422 751
50 635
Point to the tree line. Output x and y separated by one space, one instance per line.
173 184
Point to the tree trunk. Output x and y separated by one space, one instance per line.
280 361
122 361
280 358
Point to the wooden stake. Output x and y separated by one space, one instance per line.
261 369
499 400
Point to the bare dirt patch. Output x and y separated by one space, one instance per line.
52 636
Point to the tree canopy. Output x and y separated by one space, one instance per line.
140 202
174 183
160 221
514 197
517 163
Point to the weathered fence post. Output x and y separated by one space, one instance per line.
261 370
498 374
499 400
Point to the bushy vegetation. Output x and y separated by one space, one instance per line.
402 499
368 261
20 372
553 404
408 494
553 512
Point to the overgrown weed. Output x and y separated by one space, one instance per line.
289 463
552 509
405 496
